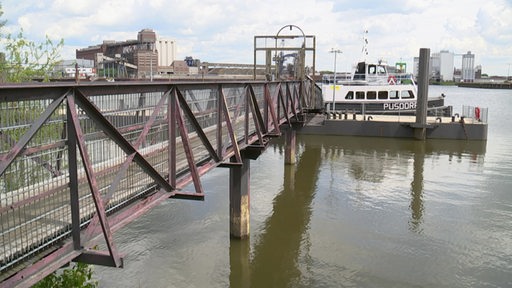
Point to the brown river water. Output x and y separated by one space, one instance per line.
352 212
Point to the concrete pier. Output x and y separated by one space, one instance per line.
290 149
239 199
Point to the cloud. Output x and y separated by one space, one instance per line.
494 22
223 30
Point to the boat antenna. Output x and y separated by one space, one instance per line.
365 44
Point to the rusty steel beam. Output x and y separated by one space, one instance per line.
231 131
98 202
271 108
198 128
220 109
171 124
74 198
187 148
289 95
112 132
91 228
284 104
257 111
9 141
18 147
256 116
124 167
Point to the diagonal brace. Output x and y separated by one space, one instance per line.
100 209
198 128
20 145
124 144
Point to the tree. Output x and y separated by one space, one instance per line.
24 60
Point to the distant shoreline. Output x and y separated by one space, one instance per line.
486 85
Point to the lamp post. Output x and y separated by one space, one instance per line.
334 80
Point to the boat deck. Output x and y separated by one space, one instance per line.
396 126
396 118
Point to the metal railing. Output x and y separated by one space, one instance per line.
475 114
78 161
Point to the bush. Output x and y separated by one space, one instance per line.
78 276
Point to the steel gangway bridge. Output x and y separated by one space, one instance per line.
81 160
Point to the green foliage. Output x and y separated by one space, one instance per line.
78 276
24 60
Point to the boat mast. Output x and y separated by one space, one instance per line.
365 45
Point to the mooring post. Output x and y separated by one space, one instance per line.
422 101
289 154
239 199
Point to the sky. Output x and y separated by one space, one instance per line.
224 30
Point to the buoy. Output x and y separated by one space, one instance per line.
477 113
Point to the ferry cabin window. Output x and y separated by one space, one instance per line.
407 94
371 69
359 94
393 95
371 95
383 95
381 70
350 95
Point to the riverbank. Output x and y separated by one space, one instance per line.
487 85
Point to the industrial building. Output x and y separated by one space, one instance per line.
68 68
142 58
442 67
468 67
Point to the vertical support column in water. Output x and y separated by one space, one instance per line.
422 101
239 199
289 154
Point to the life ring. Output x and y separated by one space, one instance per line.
392 80
477 113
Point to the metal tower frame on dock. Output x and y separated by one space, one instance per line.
272 70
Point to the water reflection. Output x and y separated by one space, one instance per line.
274 259
417 188
370 159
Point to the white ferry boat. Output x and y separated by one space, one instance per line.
371 89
